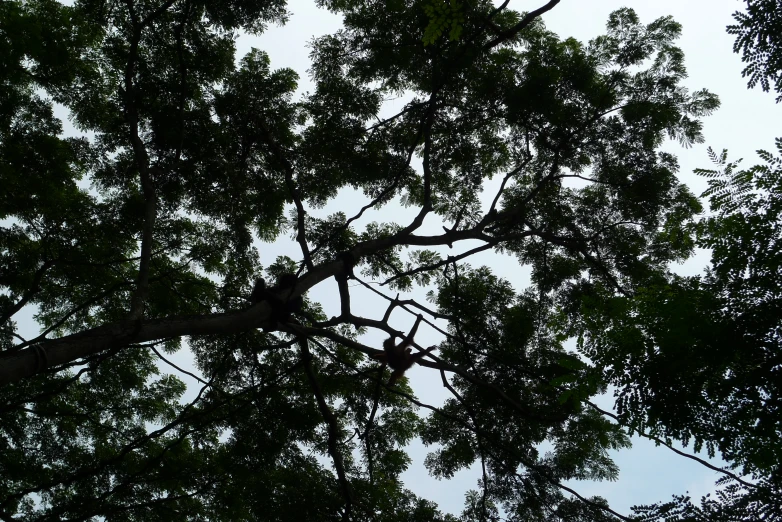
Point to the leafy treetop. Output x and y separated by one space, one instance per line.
146 232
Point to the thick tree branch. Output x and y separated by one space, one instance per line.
26 362
141 159
55 352
344 294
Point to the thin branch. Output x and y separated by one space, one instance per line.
384 193
72 477
477 430
487 21
157 12
288 171
580 246
410 106
536 468
427 160
678 452
505 180
426 268
403 303
181 370
592 180
83 306
370 423
29 293
513 31
331 422
586 500
41 338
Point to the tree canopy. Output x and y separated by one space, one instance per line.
143 236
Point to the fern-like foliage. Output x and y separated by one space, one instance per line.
756 189
759 40
745 237
732 502
745 233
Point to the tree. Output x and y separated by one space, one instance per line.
698 358
711 367
146 234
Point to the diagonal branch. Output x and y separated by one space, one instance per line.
29 293
329 418
407 302
157 12
25 362
383 194
678 452
450 259
505 179
437 364
509 33
580 246
288 171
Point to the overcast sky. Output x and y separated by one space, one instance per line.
743 124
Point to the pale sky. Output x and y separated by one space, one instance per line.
743 124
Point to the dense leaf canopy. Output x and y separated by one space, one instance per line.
143 236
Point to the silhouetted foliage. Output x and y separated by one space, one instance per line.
759 39
145 237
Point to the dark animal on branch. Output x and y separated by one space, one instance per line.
281 308
399 357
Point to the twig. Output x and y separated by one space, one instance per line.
678 452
